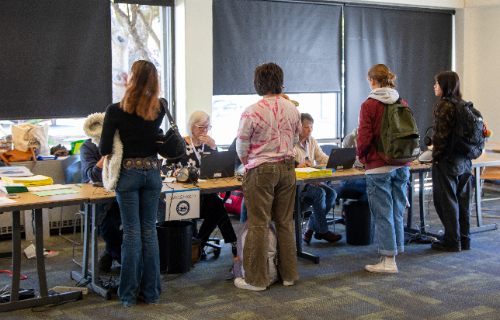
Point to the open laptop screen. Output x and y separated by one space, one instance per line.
217 164
341 158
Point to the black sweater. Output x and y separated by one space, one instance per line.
137 135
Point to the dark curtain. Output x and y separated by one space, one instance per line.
304 39
165 3
55 58
415 45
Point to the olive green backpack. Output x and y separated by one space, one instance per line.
399 140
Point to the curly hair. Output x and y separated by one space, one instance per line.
268 78
142 92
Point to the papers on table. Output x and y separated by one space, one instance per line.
13 187
312 172
4 200
53 192
50 187
15 171
32 181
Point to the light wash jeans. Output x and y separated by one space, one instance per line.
137 193
323 200
356 184
387 200
243 214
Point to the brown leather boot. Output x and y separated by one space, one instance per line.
328 236
307 236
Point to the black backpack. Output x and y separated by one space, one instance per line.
468 134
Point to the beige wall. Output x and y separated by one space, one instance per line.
477 48
481 60
193 58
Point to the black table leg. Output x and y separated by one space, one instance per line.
298 229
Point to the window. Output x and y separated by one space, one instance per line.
310 55
227 109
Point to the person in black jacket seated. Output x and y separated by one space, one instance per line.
212 208
108 213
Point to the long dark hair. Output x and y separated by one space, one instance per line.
449 82
141 96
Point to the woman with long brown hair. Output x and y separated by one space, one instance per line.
137 119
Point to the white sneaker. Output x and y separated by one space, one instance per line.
384 266
288 283
240 283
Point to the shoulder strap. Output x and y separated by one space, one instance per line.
170 119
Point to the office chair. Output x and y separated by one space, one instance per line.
71 165
72 168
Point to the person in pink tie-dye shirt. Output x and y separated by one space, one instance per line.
267 134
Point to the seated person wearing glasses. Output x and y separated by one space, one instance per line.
108 214
307 151
212 208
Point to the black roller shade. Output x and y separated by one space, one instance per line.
166 3
304 39
55 58
415 45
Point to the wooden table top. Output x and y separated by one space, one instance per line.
28 201
89 194
492 146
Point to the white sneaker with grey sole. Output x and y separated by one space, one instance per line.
384 266
240 283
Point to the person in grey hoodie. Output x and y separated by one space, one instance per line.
386 184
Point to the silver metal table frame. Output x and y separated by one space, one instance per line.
421 199
90 242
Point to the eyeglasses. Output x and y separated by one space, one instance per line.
202 128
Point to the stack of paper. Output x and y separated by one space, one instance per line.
13 187
32 181
312 172
15 171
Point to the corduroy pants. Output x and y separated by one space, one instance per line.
269 191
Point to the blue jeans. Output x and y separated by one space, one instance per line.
243 214
137 193
387 200
356 184
323 200
110 229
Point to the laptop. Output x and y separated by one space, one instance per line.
217 164
341 158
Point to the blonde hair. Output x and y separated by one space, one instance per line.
141 96
196 117
382 75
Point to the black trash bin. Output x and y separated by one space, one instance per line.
359 228
174 241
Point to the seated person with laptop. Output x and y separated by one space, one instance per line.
307 151
108 214
212 208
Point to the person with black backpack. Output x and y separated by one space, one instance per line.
451 169
386 183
